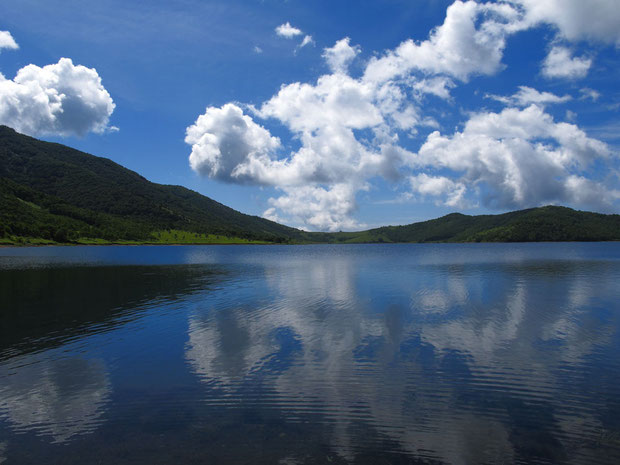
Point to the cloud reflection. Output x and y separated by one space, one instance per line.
60 398
445 363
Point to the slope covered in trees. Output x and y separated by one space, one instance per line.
46 188
50 193
541 224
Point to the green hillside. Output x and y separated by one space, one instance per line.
53 192
532 225
50 193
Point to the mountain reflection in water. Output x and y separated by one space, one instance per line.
348 354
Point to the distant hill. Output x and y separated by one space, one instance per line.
541 224
50 193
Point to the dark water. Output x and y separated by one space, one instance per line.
378 354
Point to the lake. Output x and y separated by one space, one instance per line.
362 354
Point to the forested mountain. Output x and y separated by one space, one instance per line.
548 223
50 193
46 188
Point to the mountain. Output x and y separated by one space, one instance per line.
542 224
50 193
49 190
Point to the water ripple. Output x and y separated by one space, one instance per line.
378 354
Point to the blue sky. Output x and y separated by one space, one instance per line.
330 115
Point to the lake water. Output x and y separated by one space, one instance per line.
365 354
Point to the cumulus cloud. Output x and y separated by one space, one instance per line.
519 158
224 140
584 191
560 63
437 86
447 192
348 131
62 99
470 41
335 100
321 208
340 55
597 20
7 41
472 38
318 181
527 95
287 31
333 163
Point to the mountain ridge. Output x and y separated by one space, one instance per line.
51 193
112 193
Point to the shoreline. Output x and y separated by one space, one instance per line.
151 244
16 246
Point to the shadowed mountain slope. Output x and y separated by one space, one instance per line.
50 193
109 198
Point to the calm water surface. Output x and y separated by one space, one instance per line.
378 354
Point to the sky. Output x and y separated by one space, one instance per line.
330 115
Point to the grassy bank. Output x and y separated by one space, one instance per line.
167 237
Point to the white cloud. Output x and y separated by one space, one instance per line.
583 191
597 20
437 86
560 63
272 215
7 41
224 139
587 93
527 95
335 100
348 131
340 55
451 193
308 40
257 49
518 158
62 99
319 180
318 207
470 41
473 36
287 31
